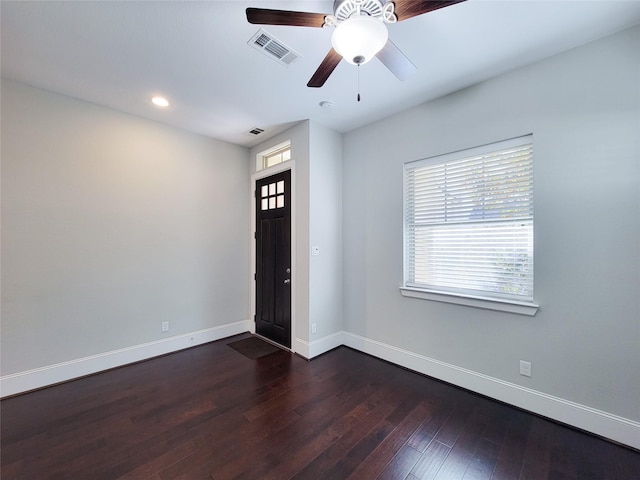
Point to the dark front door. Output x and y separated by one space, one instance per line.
273 258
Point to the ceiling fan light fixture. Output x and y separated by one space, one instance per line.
358 39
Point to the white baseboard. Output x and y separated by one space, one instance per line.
301 347
601 423
41 377
586 418
318 347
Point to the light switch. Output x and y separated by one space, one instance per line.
315 251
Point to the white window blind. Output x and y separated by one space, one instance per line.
469 222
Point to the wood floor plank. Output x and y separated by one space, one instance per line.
537 457
400 467
454 424
421 439
300 456
483 461
512 451
427 467
457 462
344 455
455 465
384 431
309 434
385 452
327 460
212 413
152 462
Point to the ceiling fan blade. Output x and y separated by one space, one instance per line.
411 8
396 61
325 69
264 16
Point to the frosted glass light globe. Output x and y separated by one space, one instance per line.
358 39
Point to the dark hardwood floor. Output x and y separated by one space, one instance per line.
212 413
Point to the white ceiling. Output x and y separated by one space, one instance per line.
119 54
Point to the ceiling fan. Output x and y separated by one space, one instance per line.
360 31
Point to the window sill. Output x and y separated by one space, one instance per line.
520 308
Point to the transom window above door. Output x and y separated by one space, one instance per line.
278 154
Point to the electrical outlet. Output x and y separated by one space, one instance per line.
525 368
313 328
165 326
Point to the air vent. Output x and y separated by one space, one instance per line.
256 131
273 48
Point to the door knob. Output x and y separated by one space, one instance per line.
287 281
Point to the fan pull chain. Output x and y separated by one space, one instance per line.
358 82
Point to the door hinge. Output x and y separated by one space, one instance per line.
254 319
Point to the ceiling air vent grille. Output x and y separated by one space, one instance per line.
272 48
256 131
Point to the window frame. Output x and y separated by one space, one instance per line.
482 299
262 158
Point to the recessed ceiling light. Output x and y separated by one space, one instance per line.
160 101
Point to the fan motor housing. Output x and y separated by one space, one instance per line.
346 8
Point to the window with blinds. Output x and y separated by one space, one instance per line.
469 222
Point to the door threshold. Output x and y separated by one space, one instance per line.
275 344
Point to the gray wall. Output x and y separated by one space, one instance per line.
317 154
299 138
111 225
325 231
582 108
